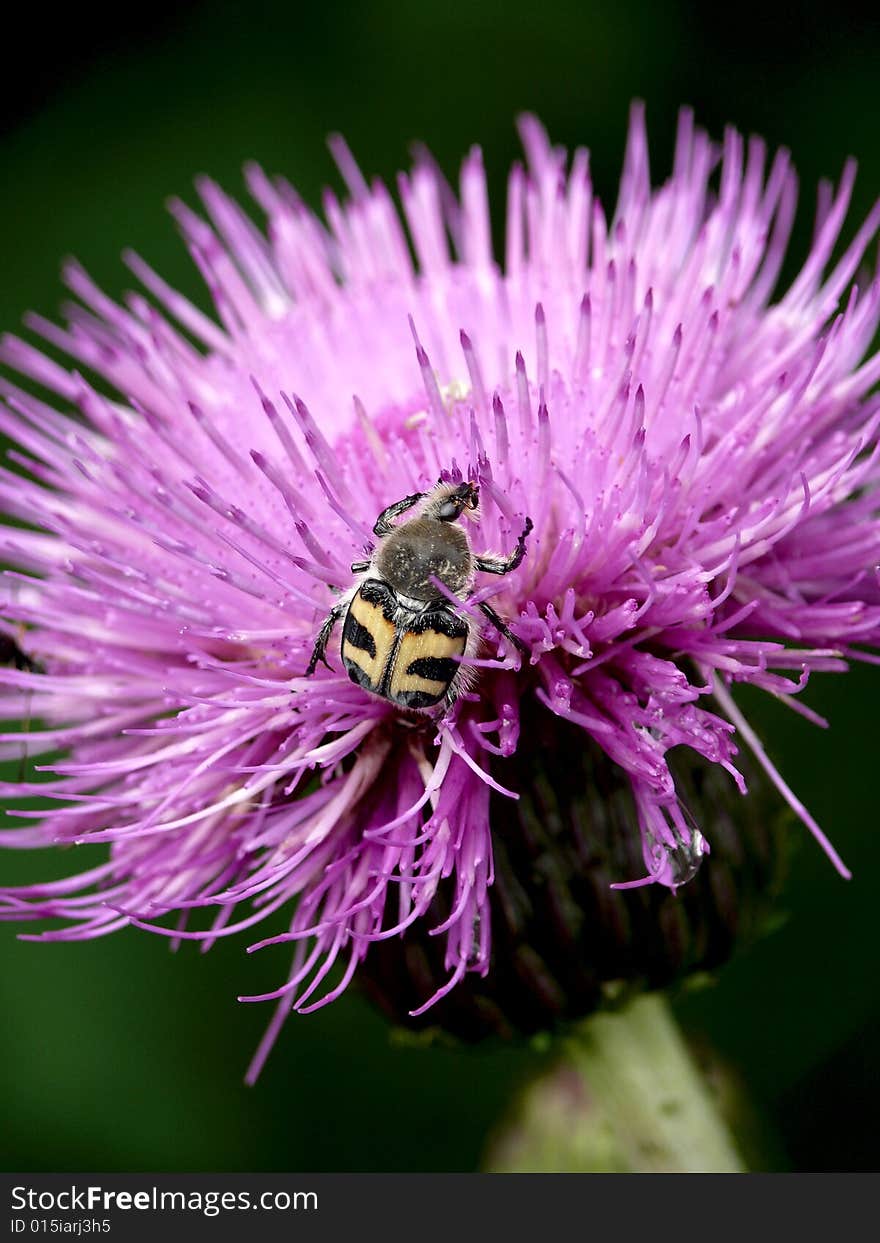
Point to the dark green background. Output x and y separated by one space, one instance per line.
117 1055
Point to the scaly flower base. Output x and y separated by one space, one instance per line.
565 941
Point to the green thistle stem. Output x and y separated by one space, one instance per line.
628 1097
661 1111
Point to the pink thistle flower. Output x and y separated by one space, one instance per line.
699 461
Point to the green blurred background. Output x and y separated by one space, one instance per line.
116 1055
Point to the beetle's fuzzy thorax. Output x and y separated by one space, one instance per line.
421 551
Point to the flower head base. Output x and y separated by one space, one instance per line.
564 942
700 465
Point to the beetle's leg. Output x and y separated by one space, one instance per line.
502 627
504 565
358 567
384 523
323 638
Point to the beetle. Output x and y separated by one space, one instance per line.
13 657
402 638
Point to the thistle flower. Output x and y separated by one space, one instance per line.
699 462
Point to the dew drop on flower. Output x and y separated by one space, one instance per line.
685 859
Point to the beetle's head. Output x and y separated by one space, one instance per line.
456 499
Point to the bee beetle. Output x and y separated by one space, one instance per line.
12 656
402 638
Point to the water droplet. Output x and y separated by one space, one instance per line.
684 859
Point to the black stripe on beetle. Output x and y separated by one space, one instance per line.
443 621
358 636
418 699
374 591
433 668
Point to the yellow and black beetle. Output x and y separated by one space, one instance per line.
402 638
